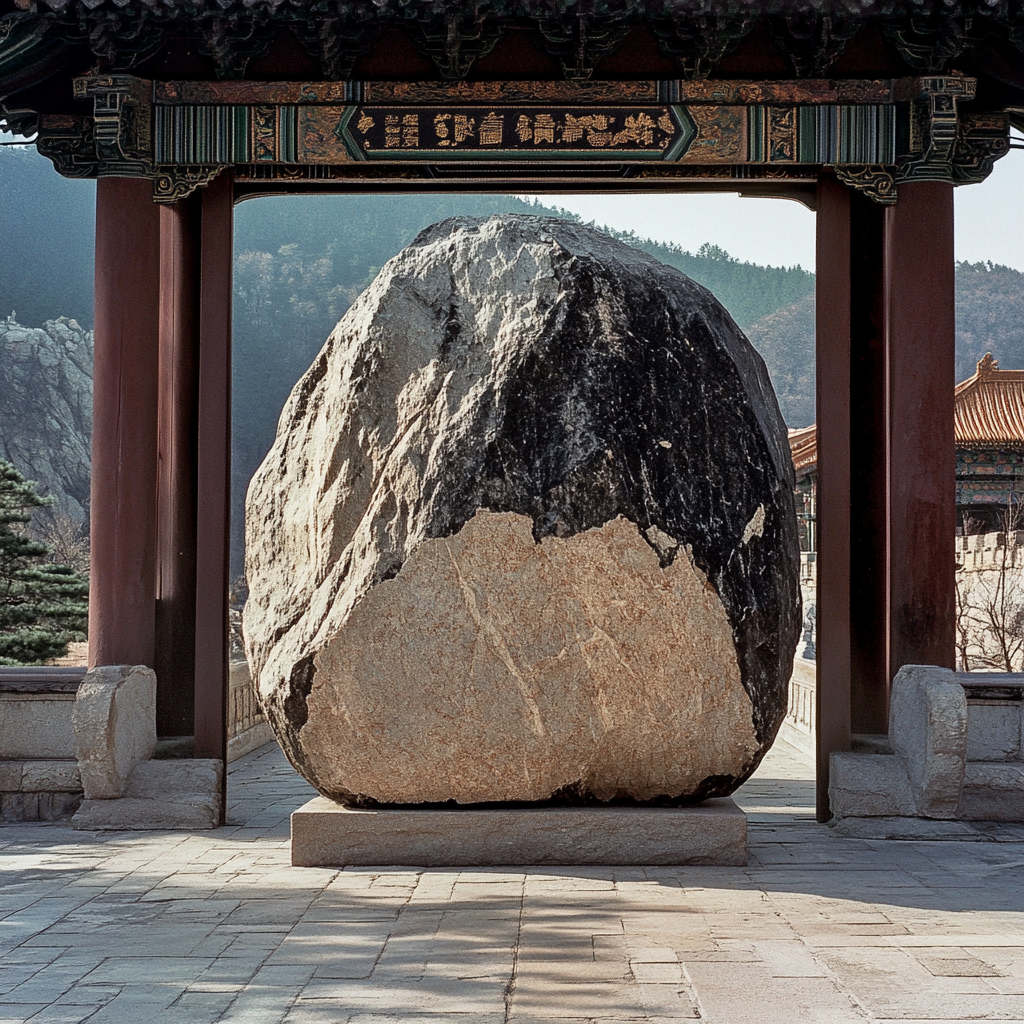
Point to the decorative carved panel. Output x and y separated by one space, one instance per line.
874 133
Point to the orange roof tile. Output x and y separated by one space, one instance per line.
988 410
803 446
990 406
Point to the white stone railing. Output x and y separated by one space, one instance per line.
798 726
247 726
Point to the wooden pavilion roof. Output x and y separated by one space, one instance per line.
45 43
803 446
988 413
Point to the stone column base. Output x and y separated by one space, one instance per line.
325 834
160 795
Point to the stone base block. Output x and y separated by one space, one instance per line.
181 794
869 786
914 829
327 835
993 792
39 789
132 814
41 806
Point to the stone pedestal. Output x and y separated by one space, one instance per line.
325 834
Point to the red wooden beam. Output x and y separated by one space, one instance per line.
123 491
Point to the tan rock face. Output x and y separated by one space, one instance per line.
494 668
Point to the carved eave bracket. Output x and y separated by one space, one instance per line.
876 181
874 134
174 183
943 144
122 126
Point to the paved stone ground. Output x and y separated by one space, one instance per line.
161 928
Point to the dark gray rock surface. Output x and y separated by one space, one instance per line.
535 368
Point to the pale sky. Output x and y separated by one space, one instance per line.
777 232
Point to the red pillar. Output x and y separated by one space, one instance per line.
922 484
176 539
214 469
869 463
833 416
122 510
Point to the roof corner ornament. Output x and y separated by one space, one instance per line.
121 123
987 366
67 141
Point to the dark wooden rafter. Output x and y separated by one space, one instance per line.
699 42
581 38
813 39
928 34
456 36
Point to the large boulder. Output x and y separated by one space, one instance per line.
526 532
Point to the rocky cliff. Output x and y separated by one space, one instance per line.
46 408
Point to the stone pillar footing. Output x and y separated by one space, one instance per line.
948 756
179 794
325 834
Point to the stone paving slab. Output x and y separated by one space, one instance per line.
204 927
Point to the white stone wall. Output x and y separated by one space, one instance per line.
990 602
987 552
798 726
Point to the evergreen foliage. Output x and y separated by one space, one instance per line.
43 606
989 316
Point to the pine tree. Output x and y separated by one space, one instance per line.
43 606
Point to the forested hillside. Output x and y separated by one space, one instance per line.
299 263
989 318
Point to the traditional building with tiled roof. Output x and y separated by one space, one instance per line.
989 431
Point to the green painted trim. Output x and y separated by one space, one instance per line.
687 132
